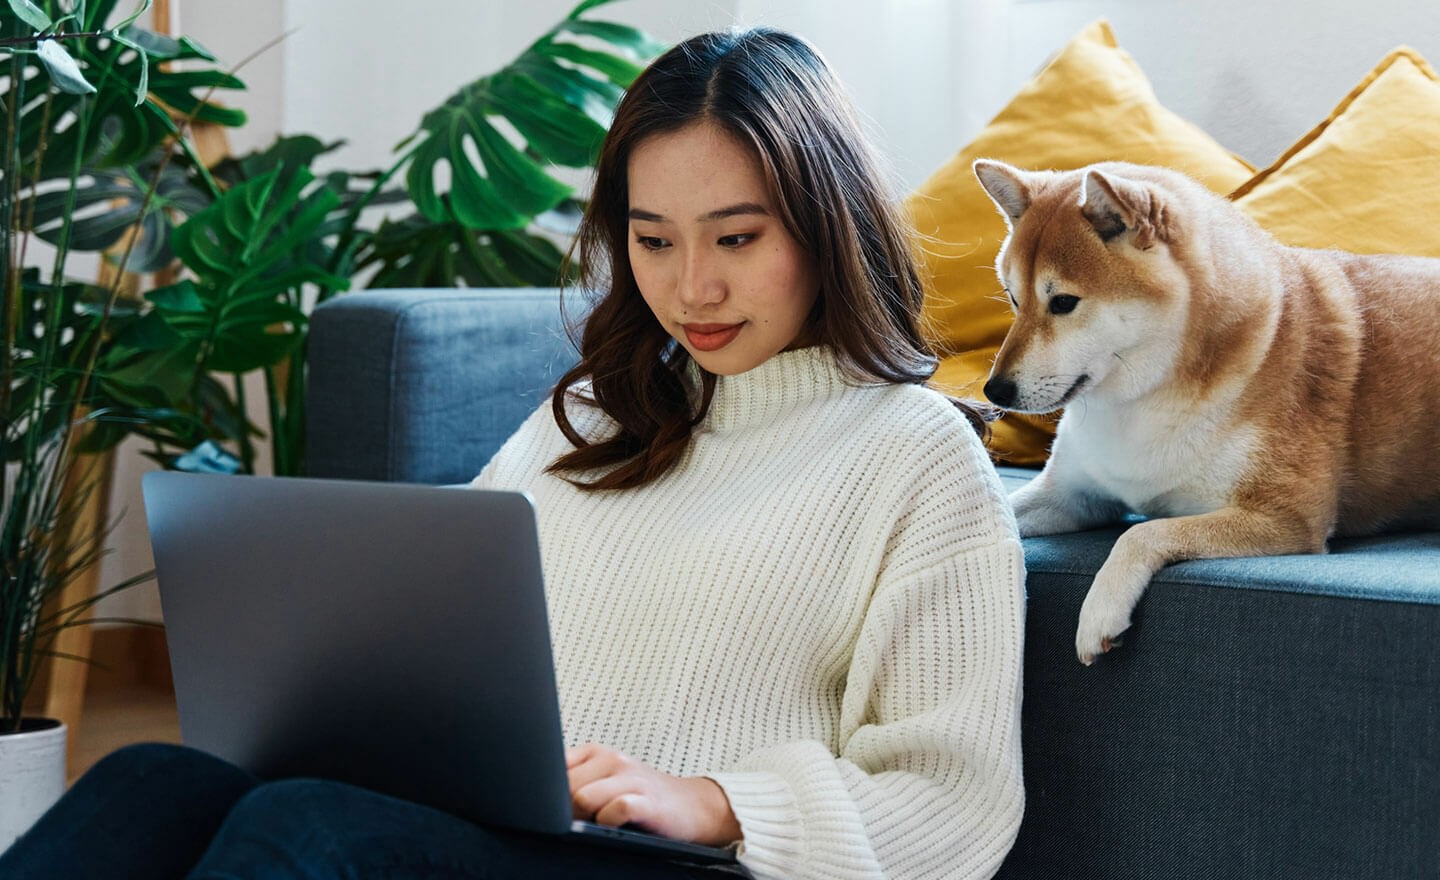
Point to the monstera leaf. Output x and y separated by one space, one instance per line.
106 203
356 190
558 97
414 252
242 311
46 359
125 121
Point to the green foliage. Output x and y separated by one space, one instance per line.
106 203
242 311
46 361
558 97
92 151
498 141
415 252
76 94
118 131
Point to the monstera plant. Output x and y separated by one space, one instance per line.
486 230
487 208
93 147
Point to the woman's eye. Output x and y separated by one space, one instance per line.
1063 304
735 241
650 242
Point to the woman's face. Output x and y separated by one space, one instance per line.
710 255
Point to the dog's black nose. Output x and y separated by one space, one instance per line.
1000 391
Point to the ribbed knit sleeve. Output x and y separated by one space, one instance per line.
928 780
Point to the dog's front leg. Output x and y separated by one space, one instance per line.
1149 546
1051 505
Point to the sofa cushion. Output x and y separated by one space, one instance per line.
1089 104
1403 567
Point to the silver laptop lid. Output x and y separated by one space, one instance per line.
392 636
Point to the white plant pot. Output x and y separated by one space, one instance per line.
32 775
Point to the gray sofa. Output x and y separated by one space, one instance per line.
1267 718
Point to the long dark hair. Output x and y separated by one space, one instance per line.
772 91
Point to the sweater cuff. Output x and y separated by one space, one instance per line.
769 819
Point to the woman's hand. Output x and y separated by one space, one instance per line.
610 788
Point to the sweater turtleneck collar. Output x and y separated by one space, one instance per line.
780 384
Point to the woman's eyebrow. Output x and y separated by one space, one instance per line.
735 211
741 209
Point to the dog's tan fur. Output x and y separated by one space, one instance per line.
1250 398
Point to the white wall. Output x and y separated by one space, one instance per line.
348 79
927 74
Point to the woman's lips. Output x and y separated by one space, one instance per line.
710 337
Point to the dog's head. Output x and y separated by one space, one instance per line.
1090 269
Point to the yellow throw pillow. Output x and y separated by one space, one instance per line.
1367 179
1091 103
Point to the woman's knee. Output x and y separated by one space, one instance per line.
142 811
338 808
165 758
296 800
169 771
309 827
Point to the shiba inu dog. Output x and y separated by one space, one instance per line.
1247 397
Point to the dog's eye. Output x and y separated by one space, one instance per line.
1013 303
1063 304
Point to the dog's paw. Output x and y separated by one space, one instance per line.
1039 520
1102 620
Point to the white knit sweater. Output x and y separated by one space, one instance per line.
821 608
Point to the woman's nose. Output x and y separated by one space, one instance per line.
701 283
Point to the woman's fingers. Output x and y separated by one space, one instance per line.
577 755
611 788
590 800
585 764
597 775
626 809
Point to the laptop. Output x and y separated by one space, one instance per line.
386 635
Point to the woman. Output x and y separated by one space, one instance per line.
785 590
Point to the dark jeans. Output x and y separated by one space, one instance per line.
159 811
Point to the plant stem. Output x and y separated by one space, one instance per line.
279 439
51 342
10 316
28 224
295 409
345 245
247 449
178 133
37 38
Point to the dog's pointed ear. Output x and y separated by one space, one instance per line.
1114 205
1006 186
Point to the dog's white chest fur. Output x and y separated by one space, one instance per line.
1155 460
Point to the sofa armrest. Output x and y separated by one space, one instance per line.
423 386
1273 716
